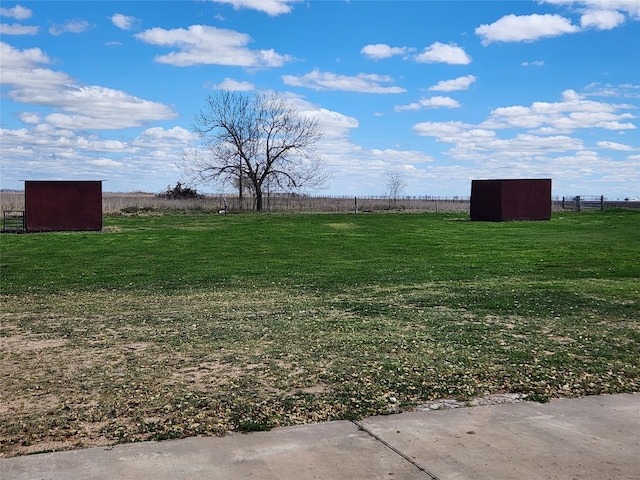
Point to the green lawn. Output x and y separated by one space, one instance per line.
172 325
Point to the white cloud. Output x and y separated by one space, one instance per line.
17 29
615 146
108 145
615 125
602 19
75 106
433 102
444 53
13 57
335 125
142 163
538 144
363 82
460 83
441 129
629 7
535 63
50 141
410 106
234 85
440 102
162 144
525 28
35 78
599 14
270 7
201 44
544 152
483 142
70 26
95 107
403 158
178 134
124 22
20 68
18 12
105 162
455 132
435 53
571 96
572 113
31 118
624 91
379 51
86 122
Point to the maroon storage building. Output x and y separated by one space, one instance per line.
514 199
55 205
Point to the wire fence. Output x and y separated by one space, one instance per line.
137 203
125 203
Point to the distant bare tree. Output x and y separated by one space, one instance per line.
255 142
395 186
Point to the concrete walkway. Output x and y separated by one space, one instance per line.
589 438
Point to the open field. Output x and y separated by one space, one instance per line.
164 326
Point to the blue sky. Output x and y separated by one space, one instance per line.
437 92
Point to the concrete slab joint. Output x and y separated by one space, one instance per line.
396 451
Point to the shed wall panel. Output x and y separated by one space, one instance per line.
63 205
488 200
511 199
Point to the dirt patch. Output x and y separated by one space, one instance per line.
206 376
316 389
561 340
29 343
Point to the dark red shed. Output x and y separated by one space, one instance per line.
62 205
514 199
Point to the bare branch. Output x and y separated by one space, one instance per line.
255 142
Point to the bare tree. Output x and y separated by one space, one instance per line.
395 186
255 142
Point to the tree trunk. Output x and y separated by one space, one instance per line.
258 199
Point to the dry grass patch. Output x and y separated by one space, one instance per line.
138 367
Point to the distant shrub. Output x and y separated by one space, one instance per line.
180 193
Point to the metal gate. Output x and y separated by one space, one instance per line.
13 221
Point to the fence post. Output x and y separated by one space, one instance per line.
355 204
578 203
602 203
